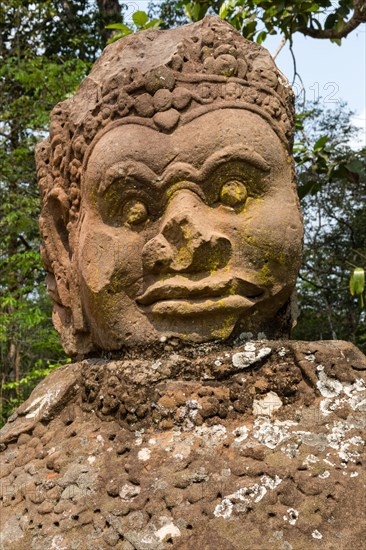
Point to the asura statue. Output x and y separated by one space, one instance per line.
169 201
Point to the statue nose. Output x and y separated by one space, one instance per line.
187 241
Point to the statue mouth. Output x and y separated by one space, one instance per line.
183 296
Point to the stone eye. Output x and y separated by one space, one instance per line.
135 212
233 193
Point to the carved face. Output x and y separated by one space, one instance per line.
195 234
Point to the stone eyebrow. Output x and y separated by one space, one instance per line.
183 170
132 170
129 171
234 153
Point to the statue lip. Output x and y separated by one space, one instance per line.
180 289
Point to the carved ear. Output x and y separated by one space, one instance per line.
61 280
56 253
58 206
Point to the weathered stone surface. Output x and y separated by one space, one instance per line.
155 454
48 399
169 203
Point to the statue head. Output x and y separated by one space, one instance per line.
169 201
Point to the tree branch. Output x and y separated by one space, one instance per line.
358 17
279 48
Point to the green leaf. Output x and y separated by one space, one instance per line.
199 11
330 21
356 166
312 7
305 189
140 18
320 143
249 29
153 24
261 37
119 27
225 8
357 282
118 35
188 11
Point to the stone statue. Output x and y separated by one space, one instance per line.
171 227
169 200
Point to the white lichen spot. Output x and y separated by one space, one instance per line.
211 436
139 437
336 440
316 534
188 413
310 459
338 393
310 357
243 359
271 434
327 406
42 402
56 543
270 482
250 346
91 459
282 352
261 492
292 516
291 449
245 336
324 474
353 474
241 433
267 405
225 509
144 454
168 531
245 496
328 387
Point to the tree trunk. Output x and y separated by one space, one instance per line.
109 12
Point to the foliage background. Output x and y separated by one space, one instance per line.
48 47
